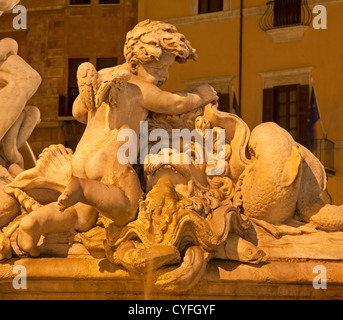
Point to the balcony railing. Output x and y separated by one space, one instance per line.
324 150
286 13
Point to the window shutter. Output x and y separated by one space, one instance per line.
224 102
268 105
304 99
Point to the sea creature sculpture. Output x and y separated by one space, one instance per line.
174 243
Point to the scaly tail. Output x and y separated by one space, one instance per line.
187 274
310 205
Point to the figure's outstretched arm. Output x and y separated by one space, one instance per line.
159 101
110 200
7 4
8 47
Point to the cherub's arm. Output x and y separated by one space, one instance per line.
159 101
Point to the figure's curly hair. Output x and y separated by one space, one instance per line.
147 40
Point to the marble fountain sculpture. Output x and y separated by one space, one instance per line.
134 195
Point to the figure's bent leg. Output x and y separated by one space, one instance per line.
19 132
47 219
86 217
21 84
117 203
30 121
9 143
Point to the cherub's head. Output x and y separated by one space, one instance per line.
152 46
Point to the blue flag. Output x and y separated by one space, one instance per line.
235 106
313 117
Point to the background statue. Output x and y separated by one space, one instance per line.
19 82
7 5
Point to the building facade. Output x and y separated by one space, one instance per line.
270 56
60 35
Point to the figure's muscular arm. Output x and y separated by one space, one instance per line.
8 47
159 101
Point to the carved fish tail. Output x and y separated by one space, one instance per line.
328 218
187 274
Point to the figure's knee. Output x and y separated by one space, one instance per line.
86 217
29 235
33 113
27 84
33 79
134 197
29 224
123 217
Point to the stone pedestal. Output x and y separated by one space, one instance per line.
89 278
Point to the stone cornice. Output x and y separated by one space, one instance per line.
221 84
286 77
235 14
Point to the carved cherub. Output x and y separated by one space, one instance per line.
110 101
